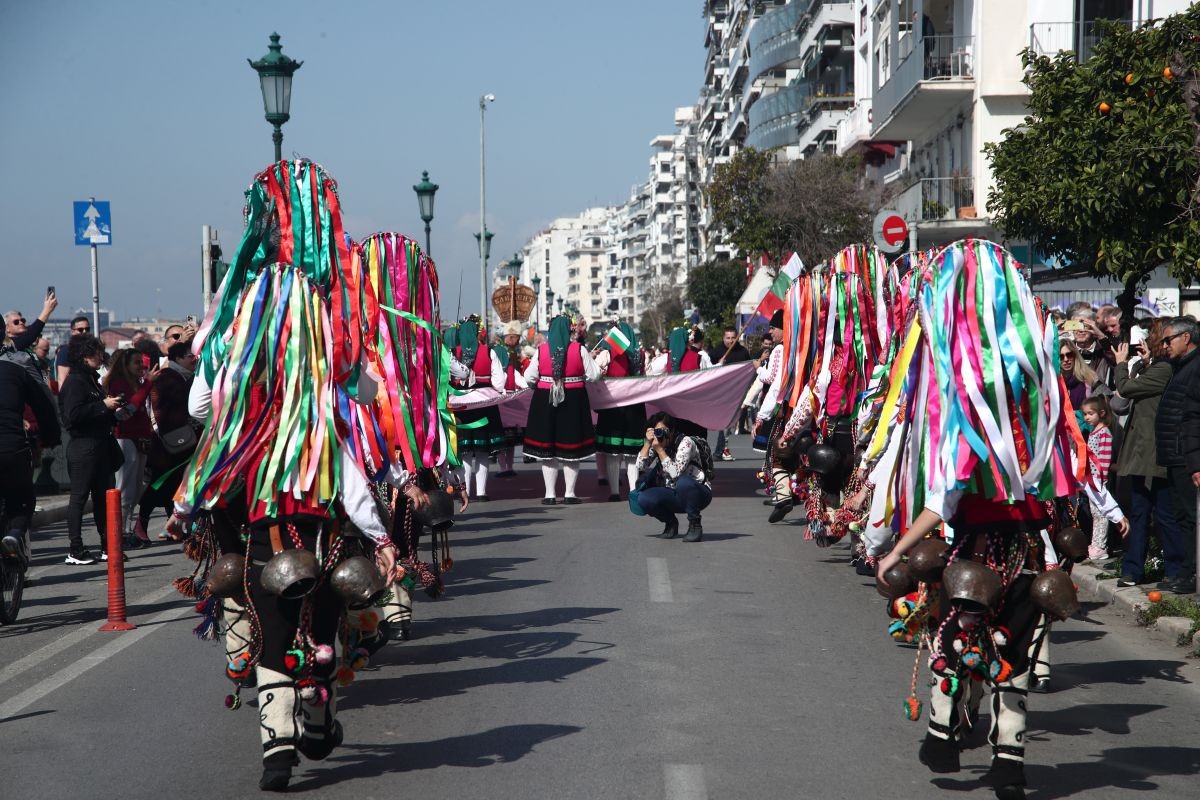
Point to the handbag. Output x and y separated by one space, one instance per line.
179 440
647 480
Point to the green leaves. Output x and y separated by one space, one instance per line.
714 289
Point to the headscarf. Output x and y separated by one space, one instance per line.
677 345
451 338
559 339
468 339
634 352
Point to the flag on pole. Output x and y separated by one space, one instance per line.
773 300
617 341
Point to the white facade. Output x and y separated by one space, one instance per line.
942 79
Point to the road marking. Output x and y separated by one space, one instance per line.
684 782
660 581
73 638
64 676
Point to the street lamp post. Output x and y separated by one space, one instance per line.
425 190
275 72
483 314
549 304
537 303
486 252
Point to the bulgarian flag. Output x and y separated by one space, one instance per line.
773 300
617 342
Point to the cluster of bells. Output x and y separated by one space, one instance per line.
975 589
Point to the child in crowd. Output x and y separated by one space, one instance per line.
1098 416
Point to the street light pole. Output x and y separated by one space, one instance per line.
275 72
483 312
426 190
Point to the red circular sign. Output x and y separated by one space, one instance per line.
895 230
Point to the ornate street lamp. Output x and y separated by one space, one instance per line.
275 72
486 252
425 190
549 303
537 303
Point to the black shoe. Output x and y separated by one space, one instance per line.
81 556
548 501
405 630
939 755
1126 581
695 531
1006 777
863 569
277 771
482 498
571 501
670 530
318 749
614 498
782 509
1183 585
508 473
133 543
1010 792
1040 685
768 502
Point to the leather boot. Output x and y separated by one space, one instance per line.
694 532
671 530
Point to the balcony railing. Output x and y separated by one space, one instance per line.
1080 38
774 117
773 39
935 58
938 199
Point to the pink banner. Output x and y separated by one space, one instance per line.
709 397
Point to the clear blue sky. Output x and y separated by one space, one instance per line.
150 104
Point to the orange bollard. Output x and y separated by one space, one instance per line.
116 566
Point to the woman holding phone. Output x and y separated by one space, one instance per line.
130 377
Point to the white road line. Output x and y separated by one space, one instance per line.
660 581
73 638
64 676
684 782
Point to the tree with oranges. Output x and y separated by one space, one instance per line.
1104 172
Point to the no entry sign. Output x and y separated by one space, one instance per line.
891 231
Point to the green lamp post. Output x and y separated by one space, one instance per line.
275 72
425 190
537 303
485 252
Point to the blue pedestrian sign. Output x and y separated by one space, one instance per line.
93 222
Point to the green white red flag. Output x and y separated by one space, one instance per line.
617 341
773 300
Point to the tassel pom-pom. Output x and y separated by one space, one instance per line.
293 660
186 587
912 709
939 664
308 690
345 676
233 702
1000 636
972 659
324 654
949 686
192 548
1004 672
322 695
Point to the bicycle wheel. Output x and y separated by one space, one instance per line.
12 585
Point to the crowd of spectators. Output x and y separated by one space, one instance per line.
112 410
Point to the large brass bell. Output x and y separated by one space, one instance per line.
1054 593
972 587
438 514
927 559
900 582
225 575
1072 543
357 581
291 574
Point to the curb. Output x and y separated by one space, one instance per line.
1128 599
52 510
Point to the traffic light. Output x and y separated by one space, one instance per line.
218 267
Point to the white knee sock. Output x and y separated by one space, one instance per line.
468 472
602 460
613 464
481 476
506 459
550 477
631 473
570 476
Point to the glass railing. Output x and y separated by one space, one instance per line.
1080 38
773 118
773 39
935 58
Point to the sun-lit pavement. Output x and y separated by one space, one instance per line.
577 656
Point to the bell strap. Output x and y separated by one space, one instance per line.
276 540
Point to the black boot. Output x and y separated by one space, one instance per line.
782 509
694 532
670 530
940 755
405 630
277 771
315 749
1007 778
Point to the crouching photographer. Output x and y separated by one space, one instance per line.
676 476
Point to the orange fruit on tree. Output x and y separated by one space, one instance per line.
1154 597
1167 73
1128 78
1104 108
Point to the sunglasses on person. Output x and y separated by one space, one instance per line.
1066 354
1167 339
17 321
81 330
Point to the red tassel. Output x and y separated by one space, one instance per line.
193 547
186 587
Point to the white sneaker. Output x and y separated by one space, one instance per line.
81 557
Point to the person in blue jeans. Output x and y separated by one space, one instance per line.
684 486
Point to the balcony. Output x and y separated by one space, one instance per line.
1079 38
815 32
854 129
776 119
928 82
939 200
773 39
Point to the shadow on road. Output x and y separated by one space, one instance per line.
501 623
497 746
475 576
1080 720
430 685
1130 672
500 538
1127 768
507 646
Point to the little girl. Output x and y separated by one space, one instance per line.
1097 414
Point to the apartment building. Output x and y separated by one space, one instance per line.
938 79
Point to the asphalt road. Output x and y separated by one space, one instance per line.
577 656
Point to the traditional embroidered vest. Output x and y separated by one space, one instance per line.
689 363
572 370
618 367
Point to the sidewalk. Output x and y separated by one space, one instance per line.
52 509
1128 600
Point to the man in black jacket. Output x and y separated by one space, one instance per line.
20 388
23 333
1177 435
729 351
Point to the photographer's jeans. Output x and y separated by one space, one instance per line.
664 503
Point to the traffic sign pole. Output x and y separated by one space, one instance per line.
95 286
